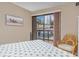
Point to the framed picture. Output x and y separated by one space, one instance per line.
14 20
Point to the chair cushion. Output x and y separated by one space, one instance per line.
65 47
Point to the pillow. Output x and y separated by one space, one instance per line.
65 47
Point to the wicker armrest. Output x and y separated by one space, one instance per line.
60 42
74 49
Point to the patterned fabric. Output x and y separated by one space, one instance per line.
32 49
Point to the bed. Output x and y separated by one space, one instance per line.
34 48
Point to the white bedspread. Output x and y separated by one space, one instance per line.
31 49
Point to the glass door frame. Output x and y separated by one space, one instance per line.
44 28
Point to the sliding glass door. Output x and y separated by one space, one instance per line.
45 27
40 27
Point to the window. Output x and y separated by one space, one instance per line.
45 27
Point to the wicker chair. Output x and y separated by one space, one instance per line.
69 43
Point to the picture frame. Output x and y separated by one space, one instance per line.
14 20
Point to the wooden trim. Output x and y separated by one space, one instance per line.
34 27
57 27
44 14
